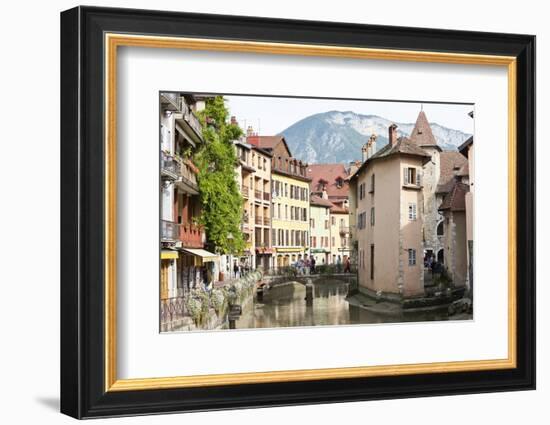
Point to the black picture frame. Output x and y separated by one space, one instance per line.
82 212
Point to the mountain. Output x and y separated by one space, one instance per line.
337 136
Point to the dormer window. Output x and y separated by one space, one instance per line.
339 182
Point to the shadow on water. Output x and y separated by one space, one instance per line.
284 305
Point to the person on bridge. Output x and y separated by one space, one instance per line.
347 266
312 264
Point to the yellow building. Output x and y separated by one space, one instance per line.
290 200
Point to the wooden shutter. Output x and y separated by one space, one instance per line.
419 177
405 175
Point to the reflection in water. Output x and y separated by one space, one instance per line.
285 306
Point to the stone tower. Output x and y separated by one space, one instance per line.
423 137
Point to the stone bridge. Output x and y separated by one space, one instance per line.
305 279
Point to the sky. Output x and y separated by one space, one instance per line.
272 115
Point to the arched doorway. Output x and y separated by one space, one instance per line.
440 256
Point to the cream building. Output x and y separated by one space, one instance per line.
340 242
468 174
253 173
319 225
389 225
290 200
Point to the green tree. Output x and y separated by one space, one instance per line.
221 200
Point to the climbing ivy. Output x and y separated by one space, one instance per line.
221 200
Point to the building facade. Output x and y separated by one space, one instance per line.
289 200
340 241
467 173
319 225
184 263
389 225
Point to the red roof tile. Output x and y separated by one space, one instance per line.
450 162
327 175
318 201
455 199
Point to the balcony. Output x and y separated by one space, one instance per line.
267 196
187 177
191 235
267 221
168 231
344 230
191 119
259 220
169 166
245 191
258 194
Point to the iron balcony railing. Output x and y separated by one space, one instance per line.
344 229
169 230
267 197
169 166
258 194
267 221
258 220
191 118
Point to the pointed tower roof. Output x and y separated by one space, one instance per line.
422 133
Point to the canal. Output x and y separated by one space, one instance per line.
284 305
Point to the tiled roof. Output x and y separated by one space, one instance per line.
329 173
318 201
267 143
464 170
336 209
463 147
422 133
455 199
403 146
450 163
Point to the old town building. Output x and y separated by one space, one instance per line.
290 200
467 174
319 225
184 262
387 207
331 181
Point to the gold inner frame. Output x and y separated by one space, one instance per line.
113 41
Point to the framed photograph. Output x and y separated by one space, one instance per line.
261 212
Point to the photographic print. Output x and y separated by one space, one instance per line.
284 212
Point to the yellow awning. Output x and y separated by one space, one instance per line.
202 253
285 250
168 255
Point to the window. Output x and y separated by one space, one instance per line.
412 176
372 183
372 261
412 257
412 212
361 191
341 222
326 223
314 242
362 220
286 212
333 221
440 229
273 237
312 223
286 238
372 216
291 212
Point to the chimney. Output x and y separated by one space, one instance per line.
324 195
233 120
392 134
372 145
365 152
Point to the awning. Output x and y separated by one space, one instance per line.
168 255
202 253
